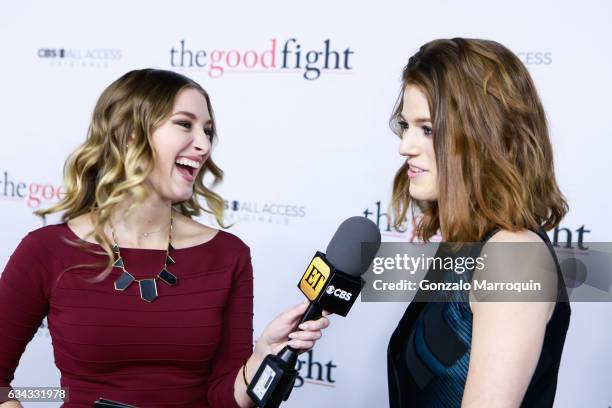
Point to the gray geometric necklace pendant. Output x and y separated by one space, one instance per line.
148 287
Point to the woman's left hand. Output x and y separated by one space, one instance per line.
279 332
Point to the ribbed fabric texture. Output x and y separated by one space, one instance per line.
182 350
429 352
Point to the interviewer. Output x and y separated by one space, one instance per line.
145 305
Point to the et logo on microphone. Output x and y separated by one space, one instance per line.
332 289
315 277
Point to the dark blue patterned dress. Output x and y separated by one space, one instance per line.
429 352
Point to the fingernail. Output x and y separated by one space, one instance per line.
303 326
292 335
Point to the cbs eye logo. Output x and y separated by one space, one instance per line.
339 293
51 53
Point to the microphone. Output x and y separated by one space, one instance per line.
331 282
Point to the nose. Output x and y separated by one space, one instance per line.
409 146
201 142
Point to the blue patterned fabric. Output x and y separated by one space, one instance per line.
429 352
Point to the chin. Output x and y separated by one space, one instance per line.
419 194
184 198
179 197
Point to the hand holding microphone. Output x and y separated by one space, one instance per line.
281 332
331 282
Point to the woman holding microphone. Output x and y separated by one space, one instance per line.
479 166
145 305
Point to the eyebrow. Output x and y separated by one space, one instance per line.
191 115
417 120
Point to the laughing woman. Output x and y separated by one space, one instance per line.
479 166
145 305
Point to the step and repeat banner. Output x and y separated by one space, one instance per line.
302 94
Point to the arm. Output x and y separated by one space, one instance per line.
236 338
274 338
23 305
506 344
227 387
507 337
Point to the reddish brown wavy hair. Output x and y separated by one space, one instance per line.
493 152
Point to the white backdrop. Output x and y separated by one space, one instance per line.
301 155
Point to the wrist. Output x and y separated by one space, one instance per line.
252 365
261 350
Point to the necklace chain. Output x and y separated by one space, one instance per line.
146 234
148 287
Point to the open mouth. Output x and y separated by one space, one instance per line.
415 169
187 168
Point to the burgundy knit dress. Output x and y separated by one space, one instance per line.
184 349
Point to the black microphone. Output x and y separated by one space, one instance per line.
331 282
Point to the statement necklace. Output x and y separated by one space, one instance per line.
148 287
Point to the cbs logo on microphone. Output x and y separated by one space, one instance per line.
339 293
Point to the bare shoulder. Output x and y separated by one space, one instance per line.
190 232
514 258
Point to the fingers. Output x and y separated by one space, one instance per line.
301 344
293 313
318 324
306 335
309 333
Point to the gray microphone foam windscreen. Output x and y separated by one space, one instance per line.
344 249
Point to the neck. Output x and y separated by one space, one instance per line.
146 226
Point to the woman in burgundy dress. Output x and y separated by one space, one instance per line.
145 305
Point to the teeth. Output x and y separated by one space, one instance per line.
187 162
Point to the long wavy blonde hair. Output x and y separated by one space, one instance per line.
103 173
493 152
